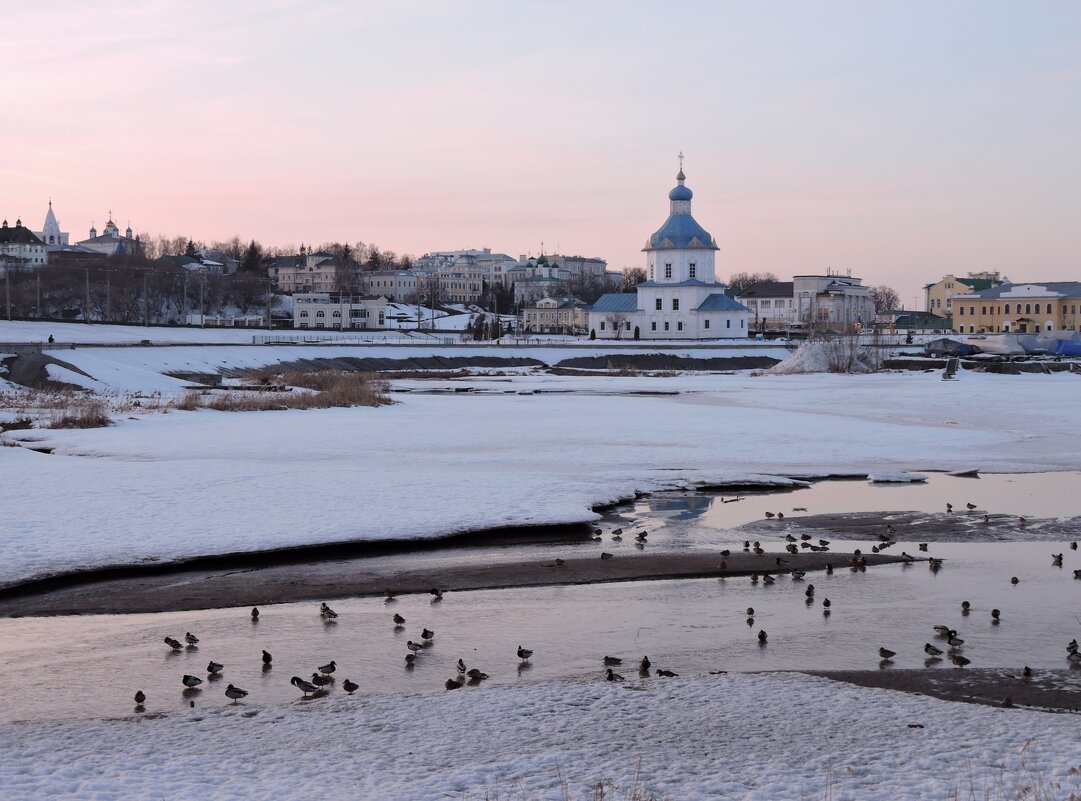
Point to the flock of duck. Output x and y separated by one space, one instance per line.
322 678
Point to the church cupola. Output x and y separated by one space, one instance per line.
93 231
127 231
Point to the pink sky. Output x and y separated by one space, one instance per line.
902 141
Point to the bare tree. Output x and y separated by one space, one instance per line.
632 277
885 298
740 281
618 322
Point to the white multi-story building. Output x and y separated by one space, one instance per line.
771 305
21 247
397 285
322 310
834 302
308 272
491 265
682 298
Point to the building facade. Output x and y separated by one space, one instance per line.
50 232
832 302
322 310
399 286
681 298
938 297
21 247
771 305
565 315
307 272
1019 308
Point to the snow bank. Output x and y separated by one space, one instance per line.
826 356
755 737
895 477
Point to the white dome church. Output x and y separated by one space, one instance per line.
681 299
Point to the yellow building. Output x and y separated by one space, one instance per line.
938 297
1019 308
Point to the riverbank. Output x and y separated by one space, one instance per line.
225 586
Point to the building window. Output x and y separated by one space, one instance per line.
983 310
1007 308
320 313
653 326
668 271
972 311
692 271
666 326
657 304
304 313
707 324
602 325
1028 308
741 323
651 272
336 314
1037 308
675 304
628 325
679 326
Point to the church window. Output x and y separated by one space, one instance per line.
727 323
675 304
602 325
653 326
668 270
679 326
651 272
693 270
628 325
50 239
707 324
741 323
666 326
657 304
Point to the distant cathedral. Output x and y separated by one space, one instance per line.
109 243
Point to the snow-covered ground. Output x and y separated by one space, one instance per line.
767 737
170 486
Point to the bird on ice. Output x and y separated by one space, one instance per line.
267 658
191 681
476 675
235 693
399 621
214 668
426 634
350 686
328 668
326 612
524 653
140 697
612 660
666 673
305 687
613 676
932 651
886 654
414 647
190 638
174 644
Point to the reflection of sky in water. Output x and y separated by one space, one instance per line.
687 626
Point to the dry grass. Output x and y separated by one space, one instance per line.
319 390
85 412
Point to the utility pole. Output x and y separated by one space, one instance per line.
269 324
202 312
146 302
38 307
86 309
7 284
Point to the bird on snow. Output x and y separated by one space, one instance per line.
326 612
191 639
524 653
461 666
612 660
1022 520
328 668
616 532
254 613
350 686
1073 546
886 654
214 668
305 687
826 603
267 658
613 676
235 693
931 651
666 673
399 621
426 634
191 681
174 644
140 697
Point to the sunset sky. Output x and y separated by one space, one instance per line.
899 140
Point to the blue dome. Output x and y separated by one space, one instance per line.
680 193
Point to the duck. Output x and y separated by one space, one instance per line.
923 546
1022 520
606 555
770 515
886 654
906 558
328 668
254 614
750 611
1056 560
666 673
410 660
560 562
810 590
954 641
235 693
645 664
1073 546
1014 580
461 666
961 661
1077 574
191 681
965 607
829 568
762 637
174 644
524 653
326 612
476 675
1072 646
768 580
321 681
746 545
797 575
140 697
987 518
214 668
190 638
399 621
931 650
412 646
350 686
437 595
949 508
995 616
970 506
613 676
612 660
267 658
617 531
826 603
452 684
1026 674
426 634
790 538
389 595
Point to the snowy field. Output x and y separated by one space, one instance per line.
177 485
765 737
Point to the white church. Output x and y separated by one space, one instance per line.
681 298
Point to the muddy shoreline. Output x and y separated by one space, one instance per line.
1047 690
227 586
